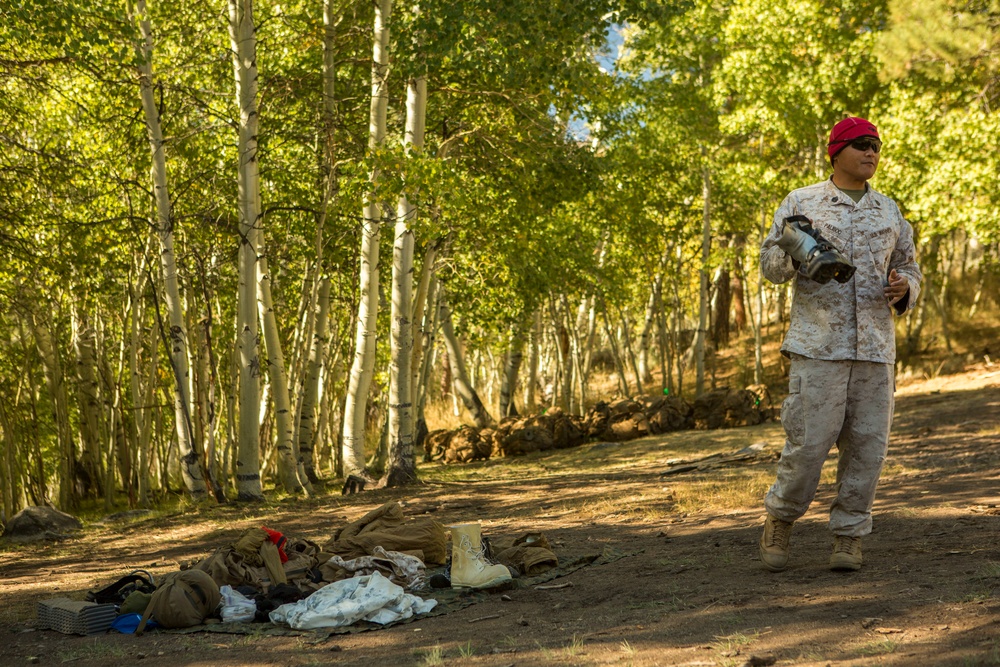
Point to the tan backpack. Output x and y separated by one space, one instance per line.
181 600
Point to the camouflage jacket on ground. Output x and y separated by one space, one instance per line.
852 320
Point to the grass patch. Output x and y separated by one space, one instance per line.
432 658
878 647
466 650
93 650
575 647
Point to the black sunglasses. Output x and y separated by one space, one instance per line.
864 143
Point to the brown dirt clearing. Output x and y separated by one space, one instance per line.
694 593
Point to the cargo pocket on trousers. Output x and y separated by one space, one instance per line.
791 411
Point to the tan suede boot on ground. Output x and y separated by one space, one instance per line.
774 543
846 553
469 567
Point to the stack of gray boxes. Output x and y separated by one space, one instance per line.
74 617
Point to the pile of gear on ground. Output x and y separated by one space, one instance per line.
373 570
624 419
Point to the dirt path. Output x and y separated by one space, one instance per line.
692 594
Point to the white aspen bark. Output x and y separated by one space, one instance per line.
191 470
11 479
534 346
402 466
363 365
304 371
88 402
562 321
627 341
706 245
55 380
428 336
243 42
650 317
758 317
602 253
463 387
142 417
210 407
420 319
117 444
666 360
311 388
615 353
512 367
288 468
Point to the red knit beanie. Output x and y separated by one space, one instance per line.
847 131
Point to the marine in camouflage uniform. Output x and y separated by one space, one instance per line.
841 342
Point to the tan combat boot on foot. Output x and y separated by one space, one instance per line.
774 543
469 567
846 553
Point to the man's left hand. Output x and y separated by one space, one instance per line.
897 288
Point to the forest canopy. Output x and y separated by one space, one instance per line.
246 246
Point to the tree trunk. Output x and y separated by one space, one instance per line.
428 337
561 322
311 387
424 310
9 473
706 245
89 404
615 354
177 348
650 317
512 365
402 467
463 386
287 447
55 379
627 342
242 33
720 307
534 345
363 365
758 317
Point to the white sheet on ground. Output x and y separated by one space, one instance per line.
370 598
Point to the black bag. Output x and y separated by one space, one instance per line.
115 593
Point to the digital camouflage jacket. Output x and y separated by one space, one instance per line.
852 320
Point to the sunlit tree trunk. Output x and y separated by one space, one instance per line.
363 365
243 41
758 317
534 349
88 400
462 384
424 311
512 367
141 408
177 337
428 335
402 467
615 353
287 447
11 478
308 412
647 323
55 379
706 245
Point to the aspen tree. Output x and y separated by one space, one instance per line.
243 41
363 364
402 468
177 337
463 385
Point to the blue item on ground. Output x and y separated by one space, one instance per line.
127 623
